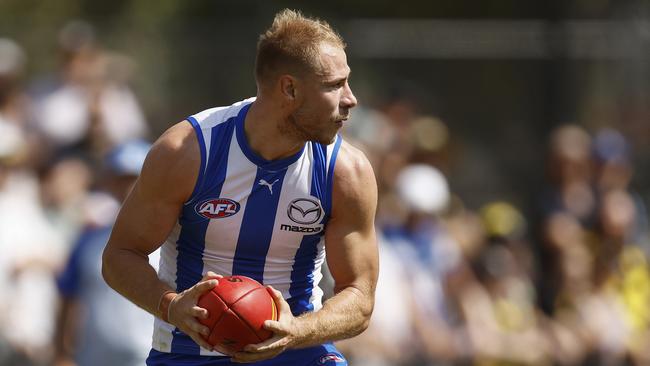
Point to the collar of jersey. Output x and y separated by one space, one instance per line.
272 165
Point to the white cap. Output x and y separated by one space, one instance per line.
423 188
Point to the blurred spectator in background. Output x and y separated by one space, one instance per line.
569 191
95 325
27 239
429 254
90 106
633 288
498 299
12 65
430 142
621 280
370 129
417 253
614 171
46 174
14 106
593 239
65 180
570 173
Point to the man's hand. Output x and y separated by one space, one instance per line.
183 311
286 334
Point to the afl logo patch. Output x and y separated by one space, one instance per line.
304 211
217 208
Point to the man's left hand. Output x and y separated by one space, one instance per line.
285 334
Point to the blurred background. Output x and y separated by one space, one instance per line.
510 140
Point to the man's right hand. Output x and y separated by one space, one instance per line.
183 311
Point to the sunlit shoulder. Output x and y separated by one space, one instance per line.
174 160
354 177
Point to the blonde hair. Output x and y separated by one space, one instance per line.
292 45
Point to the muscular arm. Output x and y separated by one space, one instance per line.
352 256
146 219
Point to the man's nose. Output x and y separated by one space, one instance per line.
348 100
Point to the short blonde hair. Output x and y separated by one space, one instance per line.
291 45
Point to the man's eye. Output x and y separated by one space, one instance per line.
337 85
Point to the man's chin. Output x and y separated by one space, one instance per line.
325 140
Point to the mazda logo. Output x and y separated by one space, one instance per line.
304 211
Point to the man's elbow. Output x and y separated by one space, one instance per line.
364 304
365 311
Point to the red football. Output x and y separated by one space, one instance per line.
237 308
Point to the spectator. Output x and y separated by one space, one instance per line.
112 331
429 255
91 106
27 239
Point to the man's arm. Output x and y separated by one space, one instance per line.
352 256
147 217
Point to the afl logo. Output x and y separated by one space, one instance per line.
304 211
217 208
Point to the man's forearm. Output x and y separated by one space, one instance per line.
130 274
345 315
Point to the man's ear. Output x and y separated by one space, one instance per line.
288 87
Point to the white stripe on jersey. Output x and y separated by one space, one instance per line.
162 334
222 235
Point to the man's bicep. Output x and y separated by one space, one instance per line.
144 222
152 208
352 259
350 237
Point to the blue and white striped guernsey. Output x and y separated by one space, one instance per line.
249 216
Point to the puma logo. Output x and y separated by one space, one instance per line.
263 182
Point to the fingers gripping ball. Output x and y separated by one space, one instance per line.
237 308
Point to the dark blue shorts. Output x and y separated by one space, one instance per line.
323 355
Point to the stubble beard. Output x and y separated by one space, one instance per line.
293 128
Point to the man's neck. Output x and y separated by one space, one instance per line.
263 135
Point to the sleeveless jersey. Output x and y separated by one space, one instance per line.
249 216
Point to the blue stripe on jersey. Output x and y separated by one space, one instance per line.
319 174
257 225
330 176
191 241
302 273
199 136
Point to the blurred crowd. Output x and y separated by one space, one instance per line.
72 144
459 285
566 284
